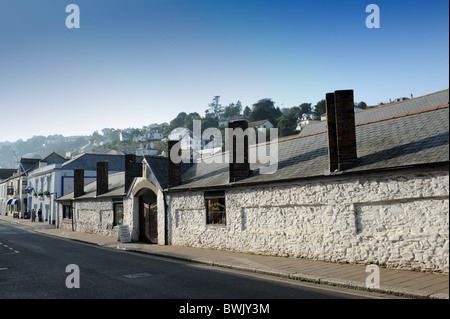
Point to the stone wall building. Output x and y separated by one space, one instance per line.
133 197
371 188
373 191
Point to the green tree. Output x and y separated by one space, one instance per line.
111 133
320 108
209 121
189 120
293 113
178 121
305 108
362 105
285 126
247 111
232 110
265 109
96 136
161 146
214 108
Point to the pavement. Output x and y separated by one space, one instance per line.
395 282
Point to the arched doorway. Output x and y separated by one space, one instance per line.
148 222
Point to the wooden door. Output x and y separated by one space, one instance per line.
144 221
153 218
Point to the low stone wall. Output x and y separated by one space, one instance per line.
397 221
94 217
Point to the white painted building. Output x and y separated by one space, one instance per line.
136 201
49 182
260 125
388 205
386 202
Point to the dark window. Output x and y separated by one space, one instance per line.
118 214
215 208
67 211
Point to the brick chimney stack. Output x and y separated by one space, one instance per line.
78 182
341 130
174 168
239 167
331 131
102 178
132 170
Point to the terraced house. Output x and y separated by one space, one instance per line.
13 194
50 180
371 187
132 197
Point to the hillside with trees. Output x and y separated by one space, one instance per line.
111 139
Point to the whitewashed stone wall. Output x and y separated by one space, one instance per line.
96 217
396 221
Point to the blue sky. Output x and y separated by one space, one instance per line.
136 62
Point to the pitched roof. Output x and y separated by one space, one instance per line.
116 188
388 110
6 173
116 182
159 166
256 123
52 158
420 136
88 162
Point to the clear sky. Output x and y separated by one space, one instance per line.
136 62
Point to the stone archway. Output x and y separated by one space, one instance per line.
146 194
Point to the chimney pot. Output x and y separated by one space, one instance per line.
174 168
331 131
78 182
102 178
132 170
237 134
345 128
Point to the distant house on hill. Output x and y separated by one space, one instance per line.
260 125
124 136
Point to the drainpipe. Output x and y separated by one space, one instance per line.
166 226
73 213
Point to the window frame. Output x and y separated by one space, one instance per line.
220 200
116 221
64 212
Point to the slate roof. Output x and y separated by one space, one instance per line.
418 137
116 182
388 110
52 158
89 161
116 188
31 163
6 173
256 123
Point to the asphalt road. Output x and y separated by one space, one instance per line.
33 266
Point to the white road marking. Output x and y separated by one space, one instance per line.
10 248
140 275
